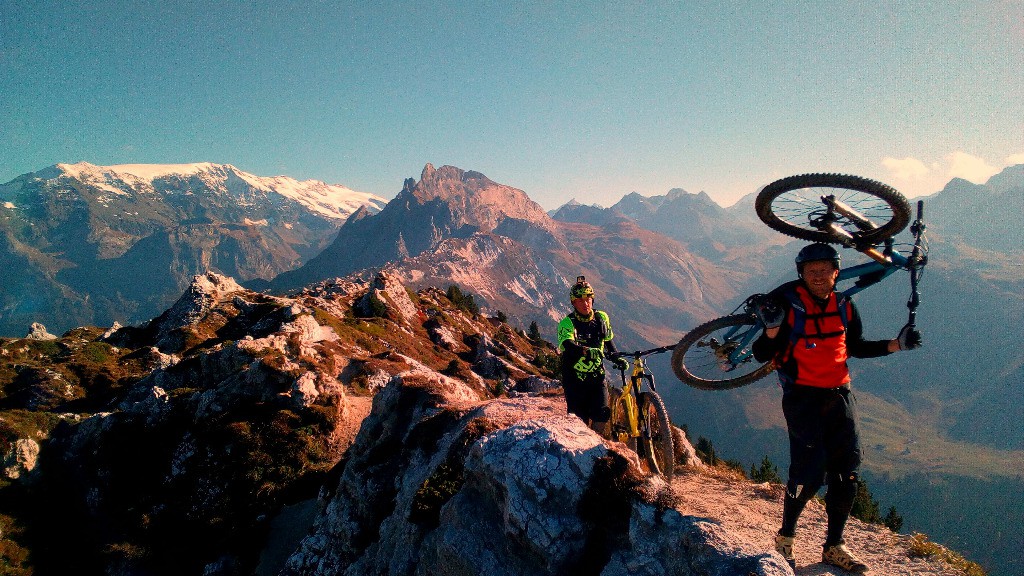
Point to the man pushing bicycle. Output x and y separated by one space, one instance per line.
810 332
584 340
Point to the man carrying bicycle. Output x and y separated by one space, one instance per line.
810 332
584 339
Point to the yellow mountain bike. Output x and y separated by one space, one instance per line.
639 418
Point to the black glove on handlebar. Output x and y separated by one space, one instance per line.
909 338
620 363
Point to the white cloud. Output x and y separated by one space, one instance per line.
915 177
905 168
968 167
1014 159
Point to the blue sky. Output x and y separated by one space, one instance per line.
590 100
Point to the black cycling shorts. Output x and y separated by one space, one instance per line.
587 399
823 433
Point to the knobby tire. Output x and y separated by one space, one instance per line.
697 365
657 439
787 206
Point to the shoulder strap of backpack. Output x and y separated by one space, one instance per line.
606 325
799 313
843 303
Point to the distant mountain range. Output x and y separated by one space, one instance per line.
984 216
459 227
83 244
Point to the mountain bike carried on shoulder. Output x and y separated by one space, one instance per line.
852 211
639 418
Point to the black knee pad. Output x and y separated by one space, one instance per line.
842 489
603 415
801 491
835 478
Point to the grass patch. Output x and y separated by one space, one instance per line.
922 548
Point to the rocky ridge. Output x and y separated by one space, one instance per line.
355 427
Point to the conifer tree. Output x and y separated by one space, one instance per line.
534 333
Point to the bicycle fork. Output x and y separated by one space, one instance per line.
626 427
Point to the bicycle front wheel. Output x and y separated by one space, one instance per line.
656 435
716 355
622 406
794 207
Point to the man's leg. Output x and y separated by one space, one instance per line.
842 489
844 457
806 463
797 497
842 447
600 411
806 453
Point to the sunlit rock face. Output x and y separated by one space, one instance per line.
442 482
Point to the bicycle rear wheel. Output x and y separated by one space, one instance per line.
793 206
656 435
702 357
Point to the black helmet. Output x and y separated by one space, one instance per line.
581 289
818 251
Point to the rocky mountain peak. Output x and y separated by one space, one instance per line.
446 202
474 198
1010 180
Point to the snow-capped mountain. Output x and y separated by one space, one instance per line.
86 244
332 201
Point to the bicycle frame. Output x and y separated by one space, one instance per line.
634 386
737 347
639 418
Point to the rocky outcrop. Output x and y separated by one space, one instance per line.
439 482
387 296
202 293
208 458
38 332
20 458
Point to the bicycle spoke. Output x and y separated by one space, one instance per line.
794 206
716 355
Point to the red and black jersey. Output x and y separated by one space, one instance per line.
817 338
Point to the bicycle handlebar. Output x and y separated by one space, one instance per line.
642 353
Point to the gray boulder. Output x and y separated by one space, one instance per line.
440 481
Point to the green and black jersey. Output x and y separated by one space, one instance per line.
575 334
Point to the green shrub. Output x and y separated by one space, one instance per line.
534 333
706 451
550 364
44 347
97 352
865 507
893 520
